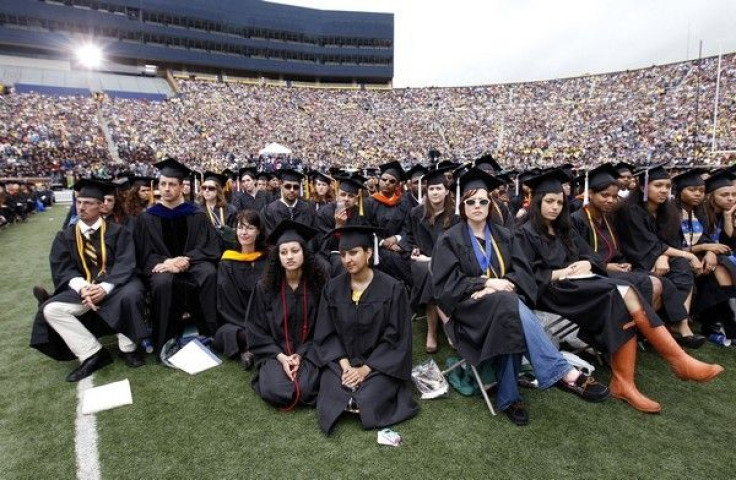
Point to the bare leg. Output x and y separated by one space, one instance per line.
656 292
723 277
432 318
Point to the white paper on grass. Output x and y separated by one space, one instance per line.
106 397
194 358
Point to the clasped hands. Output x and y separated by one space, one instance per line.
352 377
172 265
494 285
391 243
92 295
290 364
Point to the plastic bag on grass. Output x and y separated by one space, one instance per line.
429 380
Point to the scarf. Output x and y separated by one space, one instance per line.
241 257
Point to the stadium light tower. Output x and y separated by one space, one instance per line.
89 55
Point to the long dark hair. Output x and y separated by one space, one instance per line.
493 209
312 273
430 215
668 216
562 224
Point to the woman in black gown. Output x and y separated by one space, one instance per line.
482 282
572 282
363 340
281 318
425 223
237 276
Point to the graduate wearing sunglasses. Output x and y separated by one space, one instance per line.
483 284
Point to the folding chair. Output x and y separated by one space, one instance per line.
483 387
560 329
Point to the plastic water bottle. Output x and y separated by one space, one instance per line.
147 345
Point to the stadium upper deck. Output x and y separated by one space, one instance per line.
236 37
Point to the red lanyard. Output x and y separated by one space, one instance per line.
297 393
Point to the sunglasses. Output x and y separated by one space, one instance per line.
208 188
471 202
390 181
291 186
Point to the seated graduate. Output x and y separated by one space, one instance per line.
714 288
413 187
289 205
211 199
386 210
95 290
433 215
249 197
608 311
648 225
594 224
237 276
347 210
482 280
178 250
320 193
363 340
281 319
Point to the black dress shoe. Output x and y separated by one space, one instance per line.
586 387
91 365
518 414
693 341
246 360
132 359
41 294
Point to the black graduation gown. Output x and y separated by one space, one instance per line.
267 338
490 326
327 241
276 211
594 304
392 219
608 252
375 332
245 201
236 281
172 293
641 245
229 212
420 234
120 312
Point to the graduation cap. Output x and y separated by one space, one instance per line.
252 172
434 154
689 178
317 175
473 179
291 231
621 166
394 169
596 179
447 163
173 169
488 164
719 179
140 181
289 175
351 184
352 236
335 171
371 172
548 182
231 174
218 178
417 170
433 177
263 175
88 188
650 174
122 184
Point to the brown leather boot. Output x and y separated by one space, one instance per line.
623 365
683 365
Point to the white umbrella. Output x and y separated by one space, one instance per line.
274 149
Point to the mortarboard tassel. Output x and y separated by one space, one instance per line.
376 257
420 189
360 202
646 185
306 191
586 186
151 199
457 197
516 185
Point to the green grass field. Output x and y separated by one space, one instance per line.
213 426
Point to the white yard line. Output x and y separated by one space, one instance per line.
85 438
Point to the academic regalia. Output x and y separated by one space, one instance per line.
237 277
594 304
422 235
490 326
245 201
375 332
163 233
641 245
391 217
223 220
121 311
277 211
603 240
327 248
267 337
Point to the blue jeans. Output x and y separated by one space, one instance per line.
549 364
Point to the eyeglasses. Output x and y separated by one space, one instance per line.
482 202
208 188
244 226
291 186
389 180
